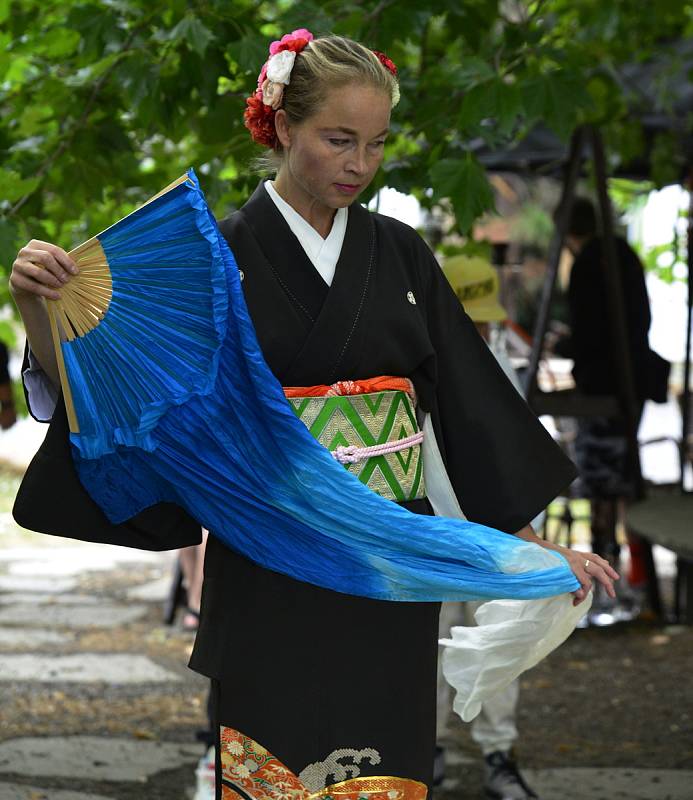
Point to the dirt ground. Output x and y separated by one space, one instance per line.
620 696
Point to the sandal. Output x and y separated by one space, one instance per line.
191 619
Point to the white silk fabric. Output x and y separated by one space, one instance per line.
511 635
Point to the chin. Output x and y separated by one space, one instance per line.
344 201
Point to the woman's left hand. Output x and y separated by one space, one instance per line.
589 567
586 567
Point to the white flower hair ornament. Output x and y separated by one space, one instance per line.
278 73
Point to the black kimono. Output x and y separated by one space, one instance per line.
334 685
319 678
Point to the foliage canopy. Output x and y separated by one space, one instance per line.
103 103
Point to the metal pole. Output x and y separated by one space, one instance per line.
686 410
554 257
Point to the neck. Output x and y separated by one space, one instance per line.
317 216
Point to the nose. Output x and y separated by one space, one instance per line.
358 162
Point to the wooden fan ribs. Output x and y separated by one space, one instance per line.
85 299
82 305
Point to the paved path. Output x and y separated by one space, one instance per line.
94 692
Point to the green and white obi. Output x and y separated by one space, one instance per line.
376 436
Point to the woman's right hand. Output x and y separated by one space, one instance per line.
41 269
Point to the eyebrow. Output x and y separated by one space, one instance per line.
351 131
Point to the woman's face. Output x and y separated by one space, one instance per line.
331 157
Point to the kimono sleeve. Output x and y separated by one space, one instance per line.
503 465
52 500
40 394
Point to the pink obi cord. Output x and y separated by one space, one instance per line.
352 454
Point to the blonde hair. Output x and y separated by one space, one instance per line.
326 63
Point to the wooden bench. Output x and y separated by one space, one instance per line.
667 520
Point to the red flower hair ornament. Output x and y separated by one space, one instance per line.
388 63
275 74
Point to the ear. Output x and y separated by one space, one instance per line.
283 128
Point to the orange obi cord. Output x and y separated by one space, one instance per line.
382 383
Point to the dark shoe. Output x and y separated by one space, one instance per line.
502 779
438 766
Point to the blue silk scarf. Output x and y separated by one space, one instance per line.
176 403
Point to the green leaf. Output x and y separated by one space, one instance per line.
194 33
509 107
98 26
296 15
19 71
250 52
9 244
473 19
58 43
33 120
91 73
496 103
464 181
139 79
8 333
470 72
14 186
479 104
558 99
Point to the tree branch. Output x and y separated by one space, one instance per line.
70 135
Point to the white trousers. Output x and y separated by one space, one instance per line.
494 728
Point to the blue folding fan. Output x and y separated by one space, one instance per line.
150 291
169 399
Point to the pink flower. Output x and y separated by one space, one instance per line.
288 39
296 41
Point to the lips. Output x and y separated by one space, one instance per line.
348 188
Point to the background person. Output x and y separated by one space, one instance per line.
8 412
192 566
476 285
601 446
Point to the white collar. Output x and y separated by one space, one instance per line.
323 253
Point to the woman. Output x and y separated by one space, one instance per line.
312 687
